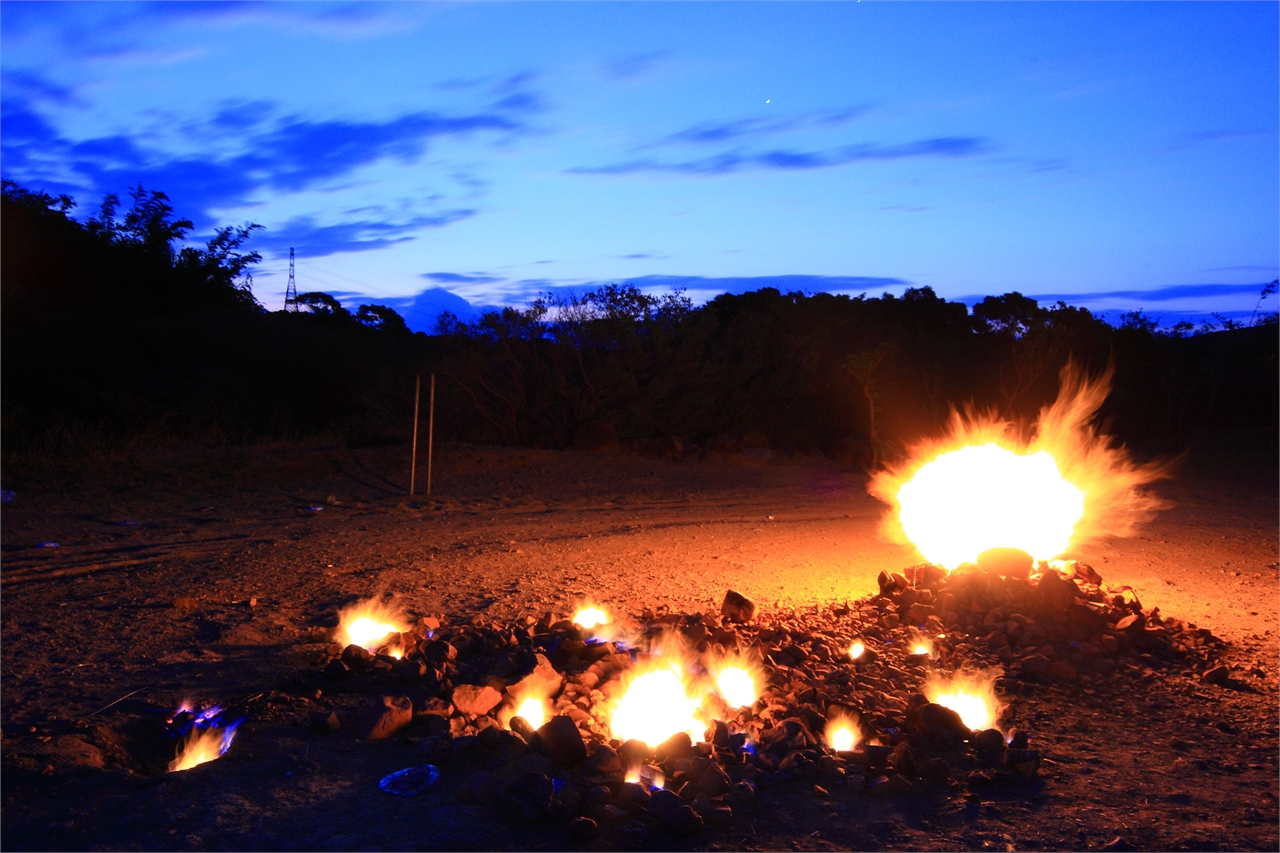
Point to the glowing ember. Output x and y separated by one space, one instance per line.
982 487
590 617
533 710
920 649
856 650
736 686
203 745
655 707
842 734
972 696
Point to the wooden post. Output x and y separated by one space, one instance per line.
431 429
413 454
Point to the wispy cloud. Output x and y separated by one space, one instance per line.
1156 294
460 278
315 241
718 132
635 65
641 256
791 160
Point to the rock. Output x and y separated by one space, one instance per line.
989 740
595 436
741 793
1061 671
336 670
535 763
714 781
528 796
479 788
1054 593
634 793
1025 762
410 670
1035 665
476 700
543 681
437 749
357 657
900 784
942 722
737 607
604 761
1217 675
718 734
323 722
1018 738
521 726
582 830
1132 623
562 741
821 792
1009 562
186 603
384 717
634 751
679 745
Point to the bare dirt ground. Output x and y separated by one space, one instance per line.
1157 762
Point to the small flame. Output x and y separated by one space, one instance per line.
590 617
971 695
980 486
921 647
842 733
534 711
203 745
369 625
737 687
656 706
856 650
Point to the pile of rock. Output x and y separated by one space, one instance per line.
454 689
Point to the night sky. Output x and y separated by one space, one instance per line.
430 156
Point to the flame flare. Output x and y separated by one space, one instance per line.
369 625
656 706
842 734
856 650
971 695
203 745
736 686
980 486
534 711
590 617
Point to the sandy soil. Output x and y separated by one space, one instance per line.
509 533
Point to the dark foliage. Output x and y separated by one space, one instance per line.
106 326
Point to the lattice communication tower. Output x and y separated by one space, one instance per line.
291 292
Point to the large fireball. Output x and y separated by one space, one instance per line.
979 497
982 486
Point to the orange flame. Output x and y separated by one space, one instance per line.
980 486
971 695
590 617
201 746
842 733
369 625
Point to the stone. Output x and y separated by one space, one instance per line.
714 781
604 761
1061 671
942 722
357 657
336 670
536 763
436 749
634 751
683 821
679 745
562 741
1018 738
410 670
1025 762
737 607
741 793
476 700
900 784
634 793
1217 675
821 792
323 722
718 734
1035 664
1054 593
384 717
186 603
989 740
544 681
479 788
528 796
582 830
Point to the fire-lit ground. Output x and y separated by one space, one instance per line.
516 532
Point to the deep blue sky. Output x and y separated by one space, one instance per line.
1113 155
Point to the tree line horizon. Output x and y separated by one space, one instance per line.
110 334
